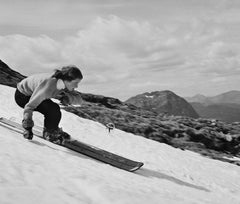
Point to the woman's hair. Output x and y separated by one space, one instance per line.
68 73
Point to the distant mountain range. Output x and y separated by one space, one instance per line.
164 102
228 97
225 107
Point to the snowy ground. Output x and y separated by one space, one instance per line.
40 172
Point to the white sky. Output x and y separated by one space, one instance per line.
127 47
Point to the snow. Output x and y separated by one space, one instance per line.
148 96
40 172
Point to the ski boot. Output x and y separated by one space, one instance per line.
28 134
57 136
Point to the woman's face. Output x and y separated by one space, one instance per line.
71 85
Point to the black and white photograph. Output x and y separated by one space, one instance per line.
120 101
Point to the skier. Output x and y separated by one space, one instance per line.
34 93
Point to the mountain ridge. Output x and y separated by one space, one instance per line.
8 76
225 106
232 96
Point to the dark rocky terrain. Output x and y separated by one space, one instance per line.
212 138
8 76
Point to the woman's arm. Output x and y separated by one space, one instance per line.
42 92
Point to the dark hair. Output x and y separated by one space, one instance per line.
68 73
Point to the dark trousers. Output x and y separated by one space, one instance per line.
50 110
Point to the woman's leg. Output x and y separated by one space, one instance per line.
51 112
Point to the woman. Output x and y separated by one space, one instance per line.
34 93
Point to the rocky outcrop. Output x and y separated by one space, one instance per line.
8 76
108 102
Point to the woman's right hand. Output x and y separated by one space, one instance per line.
27 123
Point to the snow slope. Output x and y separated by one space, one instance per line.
40 172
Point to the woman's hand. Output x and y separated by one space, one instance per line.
27 123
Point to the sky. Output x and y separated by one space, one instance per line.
40 172
127 47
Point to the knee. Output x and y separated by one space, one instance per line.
54 109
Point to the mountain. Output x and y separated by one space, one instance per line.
225 106
227 97
228 112
8 76
199 98
163 102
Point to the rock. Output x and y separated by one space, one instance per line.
8 76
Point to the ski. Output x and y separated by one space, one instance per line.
82 148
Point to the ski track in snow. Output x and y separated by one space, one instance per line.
40 172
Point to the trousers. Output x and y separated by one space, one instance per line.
50 110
